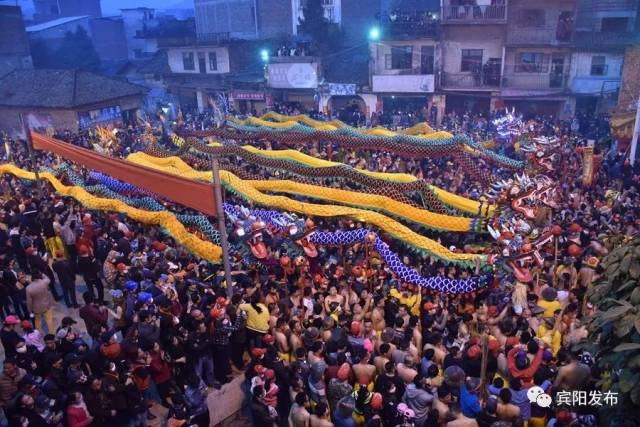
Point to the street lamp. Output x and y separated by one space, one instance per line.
374 34
264 55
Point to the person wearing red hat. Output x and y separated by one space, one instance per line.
8 335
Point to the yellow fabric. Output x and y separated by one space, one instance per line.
549 307
258 322
412 301
54 244
551 338
367 201
287 121
177 166
455 201
167 220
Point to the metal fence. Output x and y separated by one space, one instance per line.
470 14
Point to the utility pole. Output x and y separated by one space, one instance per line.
32 157
222 228
636 134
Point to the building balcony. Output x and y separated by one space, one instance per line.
408 28
469 81
213 38
536 82
468 14
606 40
403 83
302 59
538 36
594 85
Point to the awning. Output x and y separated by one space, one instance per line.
193 194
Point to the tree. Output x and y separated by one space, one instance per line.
77 51
614 331
313 24
42 56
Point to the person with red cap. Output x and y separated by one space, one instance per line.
8 335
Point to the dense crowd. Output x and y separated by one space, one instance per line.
339 341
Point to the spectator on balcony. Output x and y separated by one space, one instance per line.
476 70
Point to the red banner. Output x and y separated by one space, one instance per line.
193 194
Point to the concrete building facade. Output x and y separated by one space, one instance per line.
15 53
48 10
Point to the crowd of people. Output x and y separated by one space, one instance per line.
338 342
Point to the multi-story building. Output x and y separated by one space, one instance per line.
199 72
109 39
137 21
604 31
14 42
537 56
47 10
332 11
218 20
472 42
53 32
404 62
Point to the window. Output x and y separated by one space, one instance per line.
598 65
188 62
471 59
532 62
401 57
531 18
213 61
614 25
426 60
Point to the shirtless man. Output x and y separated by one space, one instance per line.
573 375
274 314
506 410
377 315
406 370
587 273
295 339
299 416
383 358
440 351
272 297
459 419
334 297
321 417
282 343
363 370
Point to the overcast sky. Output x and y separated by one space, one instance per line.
112 7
